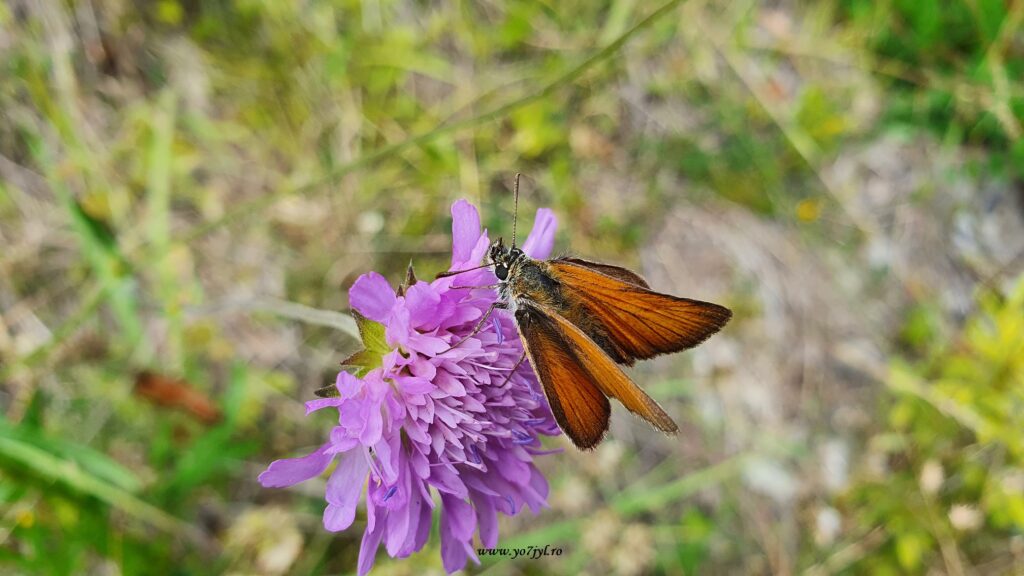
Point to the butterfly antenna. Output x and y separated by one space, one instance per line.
454 272
515 213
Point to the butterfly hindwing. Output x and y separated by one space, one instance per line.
579 407
577 375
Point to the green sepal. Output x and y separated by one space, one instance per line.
375 346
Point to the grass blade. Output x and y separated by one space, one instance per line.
50 468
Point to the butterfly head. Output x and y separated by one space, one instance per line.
503 258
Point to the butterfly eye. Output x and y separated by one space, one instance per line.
501 272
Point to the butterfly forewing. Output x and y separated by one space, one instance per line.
638 323
617 272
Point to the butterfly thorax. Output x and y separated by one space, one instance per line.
521 277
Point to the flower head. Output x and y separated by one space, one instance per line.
420 417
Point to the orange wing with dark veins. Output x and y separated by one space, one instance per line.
577 375
618 272
638 322
578 405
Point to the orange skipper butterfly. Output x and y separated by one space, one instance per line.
578 320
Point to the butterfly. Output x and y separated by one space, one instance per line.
580 320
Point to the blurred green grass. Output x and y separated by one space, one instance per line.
179 178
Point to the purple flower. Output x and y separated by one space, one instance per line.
422 418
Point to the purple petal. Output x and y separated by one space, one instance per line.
416 520
437 441
372 296
395 410
424 524
463 314
513 469
388 453
314 405
447 481
429 345
373 427
341 440
423 302
376 387
542 238
414 385
348 387
344 488
291 471
352 417
457 524
423 368
486 519
497 329
465 231
391 361
371 507
480 485
449 385
371 541
400 520
421 469
417 432
475 256
537 494
397 332
453 552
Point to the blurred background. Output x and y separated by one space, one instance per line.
187 189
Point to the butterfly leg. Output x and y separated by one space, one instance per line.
513 370
479 325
